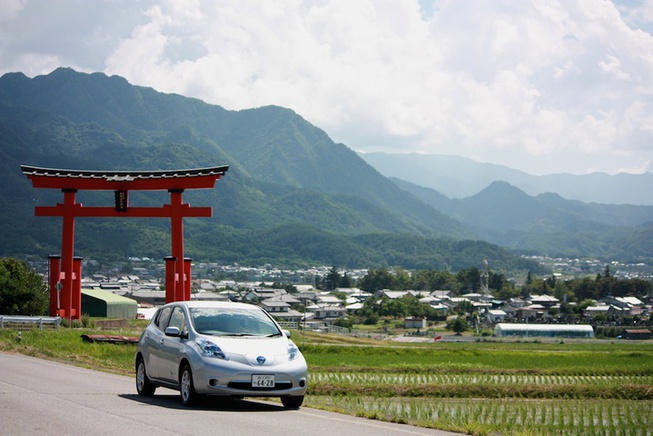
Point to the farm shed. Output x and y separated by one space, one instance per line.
544 330
100 303
636 334
414 323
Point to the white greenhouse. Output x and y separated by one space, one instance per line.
544 330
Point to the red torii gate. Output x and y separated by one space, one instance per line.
65 270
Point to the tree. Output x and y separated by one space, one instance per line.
457 325
332 280
344 321
22 290
375 280
497 281
402 279
346 281
432 280
469 279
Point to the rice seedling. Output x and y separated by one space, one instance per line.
537 417
516 390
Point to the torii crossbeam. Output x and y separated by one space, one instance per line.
65 271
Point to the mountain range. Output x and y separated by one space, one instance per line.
291 196
460 177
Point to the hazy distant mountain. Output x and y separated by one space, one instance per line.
459 177
547 223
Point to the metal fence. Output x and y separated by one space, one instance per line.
12 320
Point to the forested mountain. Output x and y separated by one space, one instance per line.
291 196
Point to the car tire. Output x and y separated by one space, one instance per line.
186 386
292 402
144 386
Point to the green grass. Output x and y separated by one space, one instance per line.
66 345
509 388
595 358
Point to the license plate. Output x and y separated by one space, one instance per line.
262 381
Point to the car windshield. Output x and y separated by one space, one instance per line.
233 322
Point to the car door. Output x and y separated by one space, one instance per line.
154 340
171 347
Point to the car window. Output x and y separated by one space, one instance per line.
233 322
162 317
178 319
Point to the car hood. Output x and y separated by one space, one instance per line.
254 351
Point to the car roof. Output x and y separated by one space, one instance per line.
216 304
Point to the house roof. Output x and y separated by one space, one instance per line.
274 303
603 308
348 290
634 301
394 294
497 312
108 297
544 299
332 299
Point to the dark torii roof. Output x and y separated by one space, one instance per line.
199 178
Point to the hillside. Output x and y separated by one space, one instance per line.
291 196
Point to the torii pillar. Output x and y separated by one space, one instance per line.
65 270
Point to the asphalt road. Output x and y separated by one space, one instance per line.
40 397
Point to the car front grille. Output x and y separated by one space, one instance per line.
246 386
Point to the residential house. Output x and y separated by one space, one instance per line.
495 315
547 301
602 309
281 310
329 313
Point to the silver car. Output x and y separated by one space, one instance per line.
219 348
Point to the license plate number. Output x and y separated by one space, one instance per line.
262 381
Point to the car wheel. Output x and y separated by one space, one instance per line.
186 388
292 402
144 386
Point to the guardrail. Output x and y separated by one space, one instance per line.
40 320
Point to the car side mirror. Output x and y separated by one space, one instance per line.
287 333
175 332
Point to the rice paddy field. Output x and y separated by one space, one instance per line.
593 387
491 388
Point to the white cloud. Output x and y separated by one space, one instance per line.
544 86
9 9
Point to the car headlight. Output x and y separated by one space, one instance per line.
210 349
293 351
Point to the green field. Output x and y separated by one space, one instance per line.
589 388
484 388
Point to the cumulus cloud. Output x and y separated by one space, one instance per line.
543 86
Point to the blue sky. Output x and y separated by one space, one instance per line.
542 86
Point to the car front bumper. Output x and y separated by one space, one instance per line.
219 377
